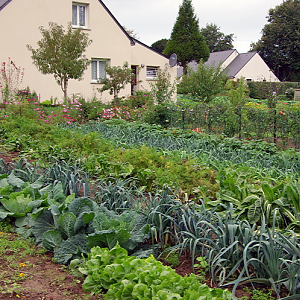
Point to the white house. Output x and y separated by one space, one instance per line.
248 65
20 21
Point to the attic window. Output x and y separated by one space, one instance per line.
152 72
79 15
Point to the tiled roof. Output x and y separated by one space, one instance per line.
238 63
217 58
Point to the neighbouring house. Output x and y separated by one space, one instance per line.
248 65
20 21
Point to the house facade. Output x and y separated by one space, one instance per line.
111 44
248 65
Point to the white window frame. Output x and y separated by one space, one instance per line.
151 72
100 69
78 6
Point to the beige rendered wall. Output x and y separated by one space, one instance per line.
257 70
143 56
20 21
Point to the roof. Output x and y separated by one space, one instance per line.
238 63
217 58
3 3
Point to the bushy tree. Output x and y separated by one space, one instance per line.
204 83
60 53
117 79
159 45
186 40
215 39
279 45
163 89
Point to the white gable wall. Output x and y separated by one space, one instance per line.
231 57
256 70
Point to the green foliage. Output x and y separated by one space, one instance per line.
127 229
186 40
279 36
118 78
163 89
127 277
260 90
61 53
140 99
215 39
237 97
204 83
159 45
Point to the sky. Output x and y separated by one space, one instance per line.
153 20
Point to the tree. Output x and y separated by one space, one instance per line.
279 45
215 39
186 40
61 53
163 88
204 83
117 79
160 45
131 33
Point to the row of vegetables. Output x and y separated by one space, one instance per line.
241 224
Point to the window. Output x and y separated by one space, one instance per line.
98 69
79 15
152 72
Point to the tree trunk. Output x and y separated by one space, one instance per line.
115 97
64 87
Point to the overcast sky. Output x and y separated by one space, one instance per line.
153 20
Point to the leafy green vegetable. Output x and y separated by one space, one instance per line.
127 277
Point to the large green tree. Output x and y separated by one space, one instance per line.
279 45
160 45
215 39
186 40
60 53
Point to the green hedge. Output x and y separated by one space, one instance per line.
260 90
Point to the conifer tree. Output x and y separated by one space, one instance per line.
186 40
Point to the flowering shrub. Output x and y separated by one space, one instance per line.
31 108
121 112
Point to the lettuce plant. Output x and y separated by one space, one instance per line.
127 277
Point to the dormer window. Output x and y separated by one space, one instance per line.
79 15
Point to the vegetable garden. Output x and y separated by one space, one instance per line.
110 195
